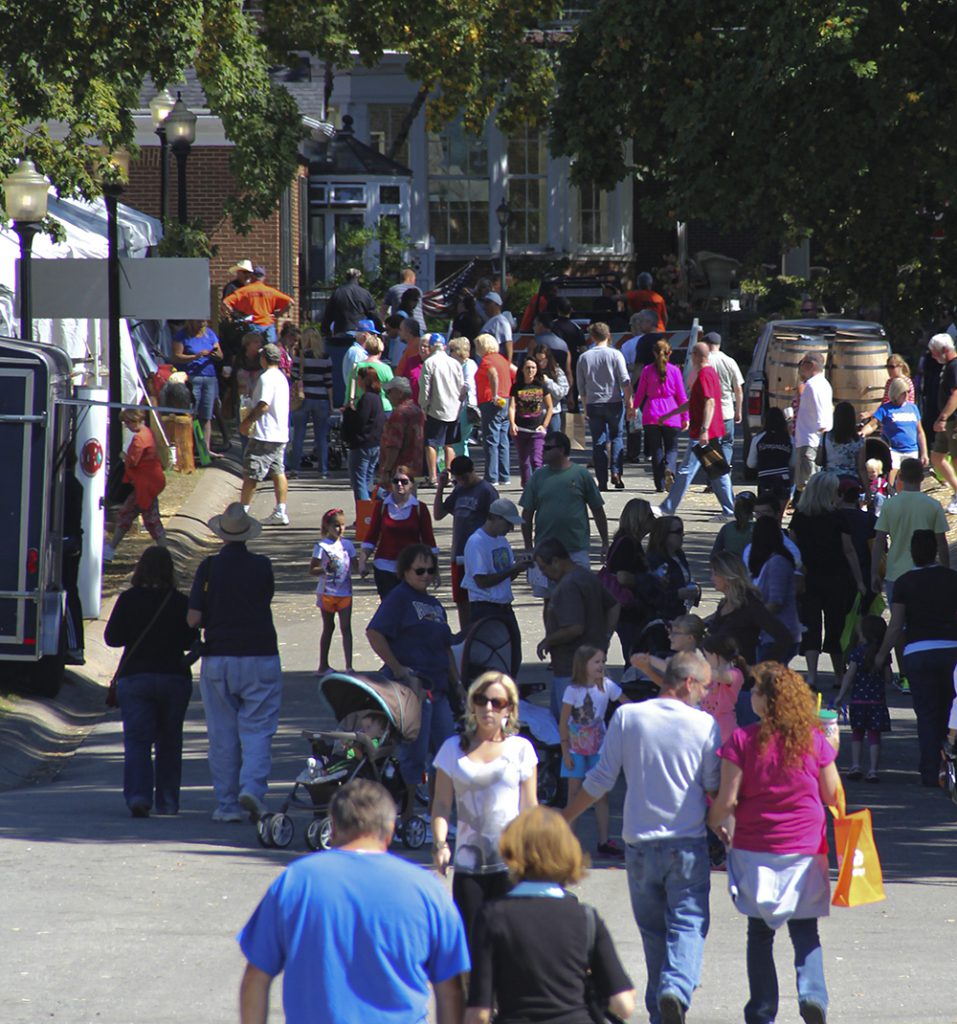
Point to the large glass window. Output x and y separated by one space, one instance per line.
593 217
458 187
527 187
385 119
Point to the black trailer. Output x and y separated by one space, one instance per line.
35 431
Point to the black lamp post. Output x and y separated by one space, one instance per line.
503 213
160 106
112 190
25 197
180 129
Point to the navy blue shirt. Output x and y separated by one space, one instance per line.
418 633
233 590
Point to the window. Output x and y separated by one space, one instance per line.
593 217
527 187
458 187
385 119
390 195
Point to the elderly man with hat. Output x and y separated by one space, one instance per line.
442 391
258 300
499 324
243 273
356 353
403 437
815 416
241 678
267 427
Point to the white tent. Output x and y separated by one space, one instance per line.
86 237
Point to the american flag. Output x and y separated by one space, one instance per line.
440 301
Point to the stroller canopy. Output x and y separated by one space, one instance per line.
347 694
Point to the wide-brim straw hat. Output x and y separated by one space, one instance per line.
235 524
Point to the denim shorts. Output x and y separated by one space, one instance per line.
583 764
205 393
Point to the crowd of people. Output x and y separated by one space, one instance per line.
722 751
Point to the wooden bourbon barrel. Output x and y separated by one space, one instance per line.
784 356
858 371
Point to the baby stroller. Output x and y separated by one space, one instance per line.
338 449
347 753
491 645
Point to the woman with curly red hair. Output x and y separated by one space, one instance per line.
776 777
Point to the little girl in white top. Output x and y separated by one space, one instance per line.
332 560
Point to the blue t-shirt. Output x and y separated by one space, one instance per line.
359 937
418 633
202 366
899 425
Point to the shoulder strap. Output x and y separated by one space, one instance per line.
131 650
591 928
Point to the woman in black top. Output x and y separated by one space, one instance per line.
678 592
626 559
831 572
153 684
363 428
531 957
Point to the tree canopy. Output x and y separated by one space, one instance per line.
828 118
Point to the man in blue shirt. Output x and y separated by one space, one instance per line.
358 934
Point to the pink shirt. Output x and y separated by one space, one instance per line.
779 809
661 396
720 700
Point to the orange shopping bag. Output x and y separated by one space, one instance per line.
859 877
364 510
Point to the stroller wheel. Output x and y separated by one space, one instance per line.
547 785
335 458
414 832
319 834
281 830
263 830
950 778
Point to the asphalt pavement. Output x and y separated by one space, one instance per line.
110 920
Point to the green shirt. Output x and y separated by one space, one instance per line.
383 372
560 499
900 516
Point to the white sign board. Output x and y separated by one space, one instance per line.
150 289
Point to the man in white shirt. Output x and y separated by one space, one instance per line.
498 324
605 391
815 416
667 750
732 393
441 393
266 425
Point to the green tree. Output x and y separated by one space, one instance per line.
828 118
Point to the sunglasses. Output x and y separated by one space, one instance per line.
481 701
422 572
403 480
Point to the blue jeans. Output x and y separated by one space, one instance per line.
495 442
930 674
762 1007
317 410
268 329
205 393
669 881
437 726
153 706
606 421
362 464
727 442
242 698
685 477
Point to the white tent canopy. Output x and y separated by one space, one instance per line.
86 237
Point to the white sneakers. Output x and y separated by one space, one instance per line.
951 509
276 518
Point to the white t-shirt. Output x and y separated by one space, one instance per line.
500 327
586 722
272 389
815 413
486 799
336 557
485 555
729 373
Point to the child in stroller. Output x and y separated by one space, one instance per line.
374 715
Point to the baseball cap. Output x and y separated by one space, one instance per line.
272 353
494 297
398 384
712 338
507 510
365 325
259 271
436 339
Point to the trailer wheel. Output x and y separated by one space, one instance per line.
46 677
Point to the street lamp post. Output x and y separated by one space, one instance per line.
504 215
25 197
180 127
160 106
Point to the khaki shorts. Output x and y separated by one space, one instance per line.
805 465
945 441
263 459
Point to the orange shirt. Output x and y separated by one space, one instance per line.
641 299
260 300
483 386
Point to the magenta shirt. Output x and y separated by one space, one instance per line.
779 809
661 395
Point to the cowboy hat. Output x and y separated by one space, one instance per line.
235 524
242 265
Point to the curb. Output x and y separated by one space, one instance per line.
39 736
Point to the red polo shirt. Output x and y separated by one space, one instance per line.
706 386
